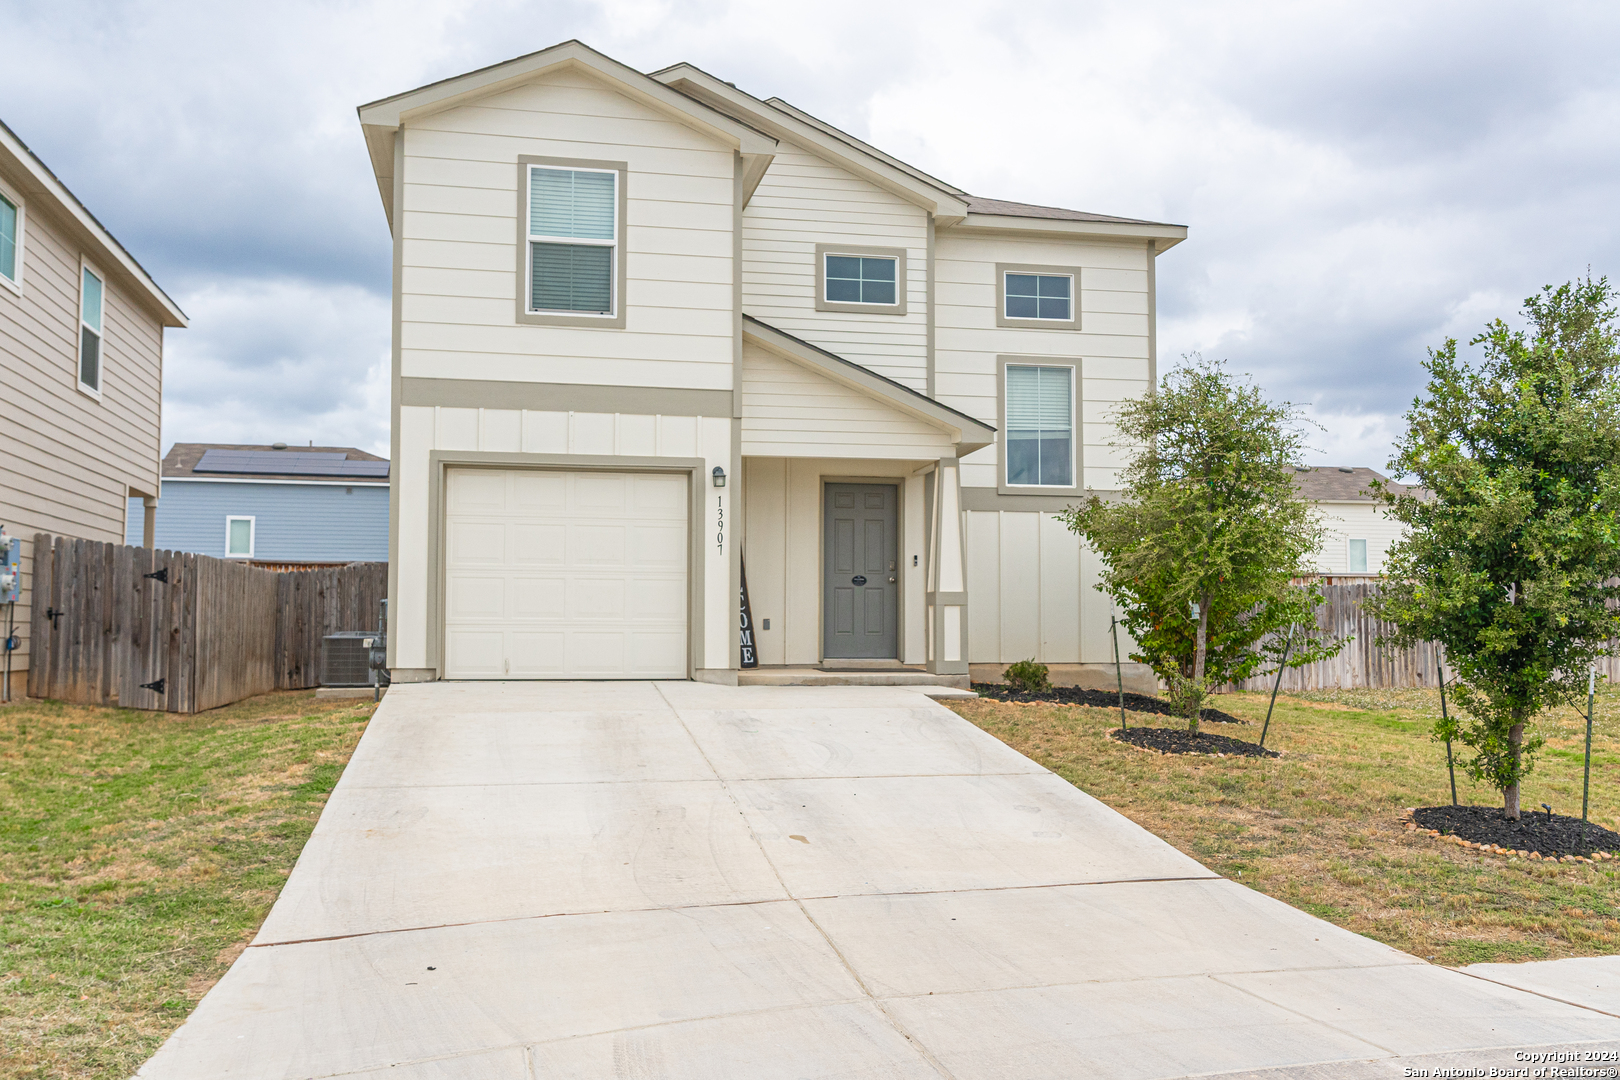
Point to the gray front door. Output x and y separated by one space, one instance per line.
860 590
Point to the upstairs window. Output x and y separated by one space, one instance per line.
573 240
1358 557
1038 297
10 238
239 538
860 279
91 302
1040 426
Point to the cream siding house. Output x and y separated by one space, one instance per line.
81 353
1359 532
650 330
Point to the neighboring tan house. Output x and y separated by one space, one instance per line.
271 505
1359 533
81 359
647 327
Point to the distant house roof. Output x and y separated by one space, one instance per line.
239 461
1003 208
1336 483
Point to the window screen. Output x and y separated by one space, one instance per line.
1040 296
1358 557
860 279
90 305
1040 425
8 238
573 236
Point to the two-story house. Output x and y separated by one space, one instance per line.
652 333
81 362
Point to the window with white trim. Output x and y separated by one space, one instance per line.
239 537
1040 425
92 300
573 240
1358 557
1039 296
10 238
860 279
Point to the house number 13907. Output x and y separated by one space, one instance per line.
720 522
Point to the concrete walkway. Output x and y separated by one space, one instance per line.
677 880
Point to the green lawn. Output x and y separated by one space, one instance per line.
138 853
1319 827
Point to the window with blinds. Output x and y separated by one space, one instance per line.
573 240
1040 425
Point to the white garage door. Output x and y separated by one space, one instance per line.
565 575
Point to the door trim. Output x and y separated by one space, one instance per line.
899 485
440 462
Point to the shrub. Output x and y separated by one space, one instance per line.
1028 676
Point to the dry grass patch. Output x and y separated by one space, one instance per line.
1319 828
139 852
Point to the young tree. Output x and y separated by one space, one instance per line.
1508 552
1199 552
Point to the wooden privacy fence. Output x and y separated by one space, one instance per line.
1362 663
145 629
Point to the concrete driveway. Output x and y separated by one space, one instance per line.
650 880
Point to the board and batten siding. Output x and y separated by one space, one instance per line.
1032 585
1355 520
1112 344
292 522
427 428
459 279
803 201
791 411
68 461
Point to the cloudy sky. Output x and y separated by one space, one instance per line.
1361 180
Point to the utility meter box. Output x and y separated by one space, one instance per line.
10 568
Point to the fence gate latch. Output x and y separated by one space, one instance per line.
155 687
159 575
53 615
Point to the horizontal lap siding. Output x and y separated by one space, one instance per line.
804 201
67 460
1112 344
1364 521
292 523
790 411
459 280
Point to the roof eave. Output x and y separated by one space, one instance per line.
967 433
946 207
1163 236
39 182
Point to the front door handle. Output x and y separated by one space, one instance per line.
891 581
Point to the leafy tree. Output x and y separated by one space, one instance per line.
1508 553
1199 552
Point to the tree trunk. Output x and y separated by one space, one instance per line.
1200 648
1510 794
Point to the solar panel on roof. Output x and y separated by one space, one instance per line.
288 463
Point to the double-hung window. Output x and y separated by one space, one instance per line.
239 537
1039 425
1042 297
10 240
573 248
92 300
860 279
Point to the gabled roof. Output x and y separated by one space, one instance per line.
182 460
968 434
36 181
1336 483
381 119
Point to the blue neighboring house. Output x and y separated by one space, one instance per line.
271 505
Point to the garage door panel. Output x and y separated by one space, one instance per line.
558 574
477 597
539 545
596 545
477 542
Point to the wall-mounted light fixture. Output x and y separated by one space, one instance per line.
719 476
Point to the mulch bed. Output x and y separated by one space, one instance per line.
1534 835
1102 699
1182 741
